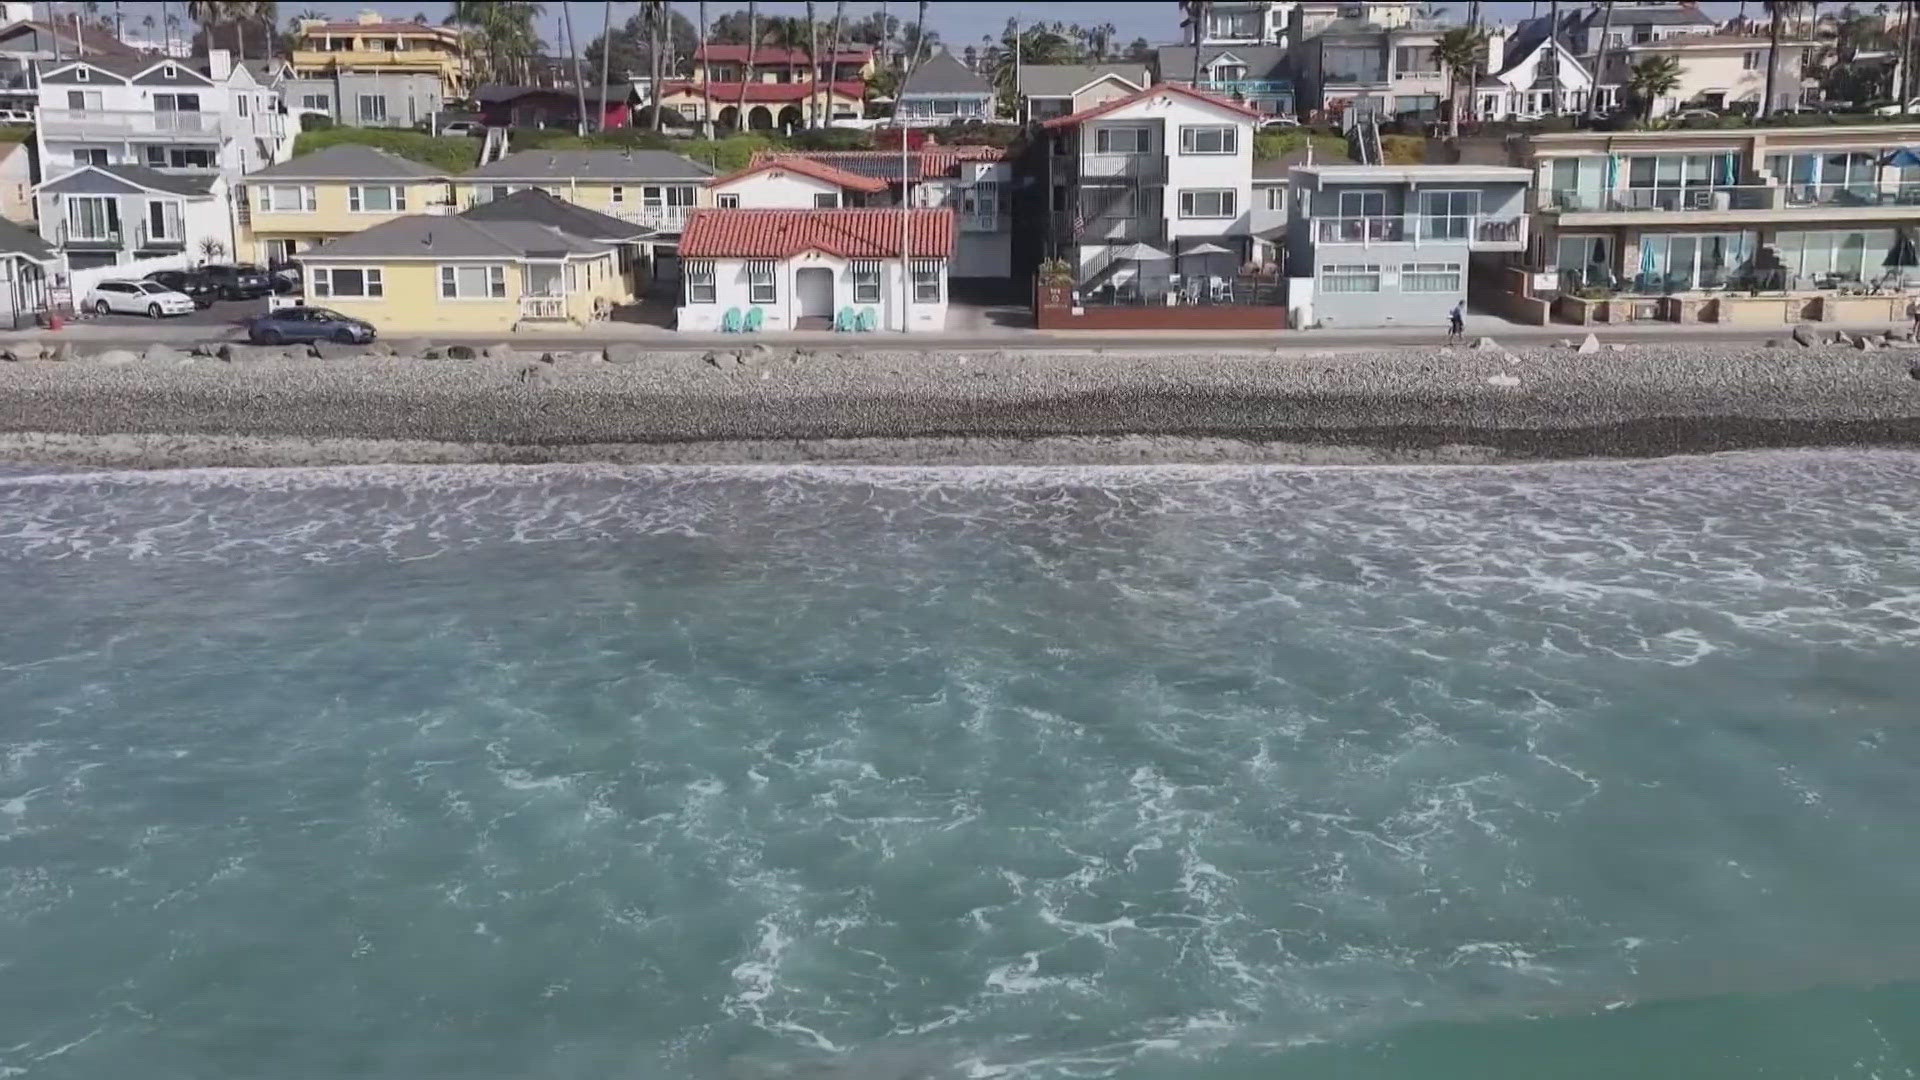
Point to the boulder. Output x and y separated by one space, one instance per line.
1806 336
411 347
625 354
1589 346
1773 343
745 358
332 350
1913 371
534 373
13 354
569 356
762 348
117 357
1485 343
1503 380
460 352
1567 343
502 351
715 359
1865 343
1616 347
206 348
162 354
59 350
381 348
433 352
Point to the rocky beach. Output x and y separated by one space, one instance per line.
166 408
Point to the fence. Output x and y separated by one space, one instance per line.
82 281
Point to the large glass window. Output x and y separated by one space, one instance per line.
1207 203
1430 277
1686 262
1819 259
383 199
1678 181
332 282
286 198
473 282
1584 261
1349 278
1122 140
1448 215
1223 139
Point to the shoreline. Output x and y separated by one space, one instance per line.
1425 406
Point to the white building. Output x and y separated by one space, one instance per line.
1539 75
808 269
792 182
1246 22
1167 170
140 155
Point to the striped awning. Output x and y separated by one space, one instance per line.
761 266
700 271
929 266
866 266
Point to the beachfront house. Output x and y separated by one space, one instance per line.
29 270
794 181
1363 66
1257 76
784 89
1386 245
344 189
807 269
627 239
376 72
425 274
1050 90
942 91
110 215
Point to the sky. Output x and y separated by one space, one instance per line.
959 23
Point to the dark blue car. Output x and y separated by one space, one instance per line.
308 324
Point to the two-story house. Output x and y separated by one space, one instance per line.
1541 74
303 203
1312 17
1050 90
1803 213
783 89
140 154
27 42
942 91
1363 67
1258 76
1720 71
372 72
1384 245
1141 183
1244 22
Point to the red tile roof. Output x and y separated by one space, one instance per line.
819 170
725 93
1105 107
934 161
782 234
377 28
771 54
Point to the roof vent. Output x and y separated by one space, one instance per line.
427 239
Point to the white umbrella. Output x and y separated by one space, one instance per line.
1206 248
1138 253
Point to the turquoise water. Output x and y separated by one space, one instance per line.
1568 770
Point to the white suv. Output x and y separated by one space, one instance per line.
138 298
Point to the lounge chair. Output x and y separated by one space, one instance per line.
867 320
755 317
730 322
846 321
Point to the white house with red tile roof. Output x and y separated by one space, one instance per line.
805 269
1140 182
792 182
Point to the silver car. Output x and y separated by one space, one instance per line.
139 298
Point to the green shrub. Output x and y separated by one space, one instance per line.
314 121
455 154
831 139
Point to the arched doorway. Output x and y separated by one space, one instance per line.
759 118
790 119
729 118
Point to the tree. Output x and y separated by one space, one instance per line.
1776 10
1600 61
833 57
813 65
631 44
706 99
606 31
917 41
753 43
1139 51
579 77
1195 19
1459 51
501 34
1652 78
920 41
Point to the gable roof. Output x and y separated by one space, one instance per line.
591 165
348 161
931 162
1064 80
818 170
532 204
943 74
782 234
773 54
436 236
1263 61
1105 107
15 240
89 45
127 179
131 66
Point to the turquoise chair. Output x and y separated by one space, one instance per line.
867 319
846 320
755 317
730 322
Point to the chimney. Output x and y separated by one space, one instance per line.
219 64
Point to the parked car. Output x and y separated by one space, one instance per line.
138 298
15 116
1893 109
238 282
463 127
1696 114
202 291
285 278
301 323
1279 122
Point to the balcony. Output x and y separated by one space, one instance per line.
1868 194
133 124
1136 168
1387 229
983 223
1115 229
1734 203
662 218
543 307
1477 232
1249 89
443 63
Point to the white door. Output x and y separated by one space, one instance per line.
813 287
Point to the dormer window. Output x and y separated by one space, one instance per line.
82 74
169 71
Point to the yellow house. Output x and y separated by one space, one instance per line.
300 204
428 274
371 44
652 188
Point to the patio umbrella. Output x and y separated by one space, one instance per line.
1903 158
1138 253
1204 249
1900 257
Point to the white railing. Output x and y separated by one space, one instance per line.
126 122
543 307
1469 229
670 218
982 223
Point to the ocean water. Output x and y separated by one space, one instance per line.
1565 770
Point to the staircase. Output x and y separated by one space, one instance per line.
495 146
1364 139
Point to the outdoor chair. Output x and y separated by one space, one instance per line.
847 321
1220 290
867 320
730 322
755 317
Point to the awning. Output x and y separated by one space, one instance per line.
1904 157
928 266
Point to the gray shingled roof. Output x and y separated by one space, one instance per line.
1263 61
542 165
943 75
16 240
77 180
537 206
436 236
348 161
1061 80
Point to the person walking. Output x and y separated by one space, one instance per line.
1913 313
1457 322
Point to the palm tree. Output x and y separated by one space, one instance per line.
1459 52
881 49
606 59
753 38
920 34
706 96
1553 38
579 77
1776 11
1906 59
1651 78
661 54
813 68
833 58
1600 60
1196 18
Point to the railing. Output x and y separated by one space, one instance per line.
1175 290
149 239
1248 88
125 122
1435 228
983 223
1370 229
96 238
1140 168
667 218
1868 194
1511 230
543 307
1716 197
1116 228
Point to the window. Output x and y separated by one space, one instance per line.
1349 278
926 281
82 75
700 286
1122 140
1448 215
1753 59
1584 260
286 198
84 100
169 71
1229 73
93 217
1277 198
619 195
156 157
242 104
347 282
1207 203
91 156
377 200
729 201
1430 277
1209 140
317 102
473 282
179 157
866 281
373 109
826 200
760 282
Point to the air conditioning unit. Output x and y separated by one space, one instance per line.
1723 200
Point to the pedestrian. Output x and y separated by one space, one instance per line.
1457 322
1913 313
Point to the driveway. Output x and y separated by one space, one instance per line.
228 314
